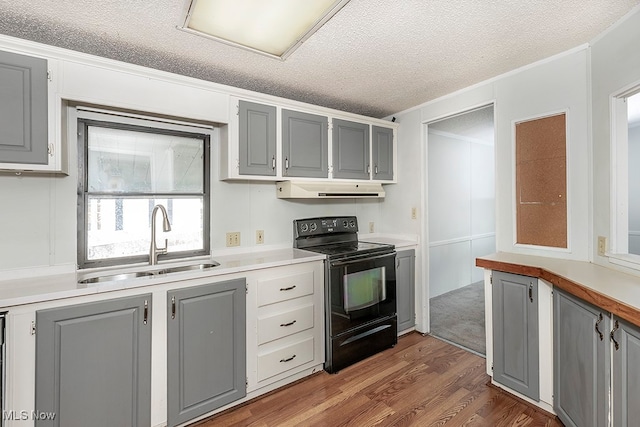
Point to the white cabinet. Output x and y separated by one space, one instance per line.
595 351
272 142
283 336
526 357
30 115
285 323
625 339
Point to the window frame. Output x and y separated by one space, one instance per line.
618 250
147 125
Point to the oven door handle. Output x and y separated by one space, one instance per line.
360 259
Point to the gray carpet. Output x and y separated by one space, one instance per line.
458 317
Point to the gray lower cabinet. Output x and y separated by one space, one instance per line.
257 139
382 152
405 289
305 145
23 109
625 339
350 150
206 344
515 333
581 361
93 364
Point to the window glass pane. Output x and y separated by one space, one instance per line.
121 160
121 227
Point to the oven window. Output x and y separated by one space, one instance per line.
364 289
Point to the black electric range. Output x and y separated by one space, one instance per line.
360 289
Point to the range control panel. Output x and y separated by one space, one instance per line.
325 225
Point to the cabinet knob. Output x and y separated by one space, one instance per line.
287 324
612 337
598 329
531 292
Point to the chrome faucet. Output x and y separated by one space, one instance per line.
154 251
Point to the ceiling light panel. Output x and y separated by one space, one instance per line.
275 27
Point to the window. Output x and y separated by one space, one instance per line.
127 167
625 212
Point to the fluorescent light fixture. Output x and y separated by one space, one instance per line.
272 27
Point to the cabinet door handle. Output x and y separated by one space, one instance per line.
289 288
376 170
368 168
286 163
145 312
287 324
288 360
531 292
173 307
612 337
273 162
598 329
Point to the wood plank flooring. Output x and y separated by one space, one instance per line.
421 382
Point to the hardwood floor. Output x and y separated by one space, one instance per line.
421 382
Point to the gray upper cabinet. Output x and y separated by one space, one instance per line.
93 363
405 283
23 109
257 139
581 361
515 333
304 145
382 152
351 150
206 360
626 373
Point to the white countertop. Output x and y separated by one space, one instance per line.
400 242
42 288
46 288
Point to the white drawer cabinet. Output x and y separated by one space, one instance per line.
290 356
279 325
285 324
285 287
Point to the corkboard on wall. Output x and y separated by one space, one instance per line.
541 181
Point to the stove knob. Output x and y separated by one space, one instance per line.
304 228
352 223
345 224
314 226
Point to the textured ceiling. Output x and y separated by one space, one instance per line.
375 57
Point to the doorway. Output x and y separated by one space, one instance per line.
461 223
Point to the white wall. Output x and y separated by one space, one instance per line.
615 65
461 209
38 232
556 84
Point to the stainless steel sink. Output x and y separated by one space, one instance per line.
181 268
112 277
151 273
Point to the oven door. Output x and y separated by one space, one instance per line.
361 290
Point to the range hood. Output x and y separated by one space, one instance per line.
328 190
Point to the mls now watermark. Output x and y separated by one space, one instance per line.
13 415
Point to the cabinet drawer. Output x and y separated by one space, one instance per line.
286 323
284 288
285 358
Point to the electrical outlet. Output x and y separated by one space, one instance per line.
371 227
260 237
602 245
233 239
414 213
